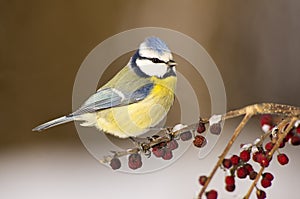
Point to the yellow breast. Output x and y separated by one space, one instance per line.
135 119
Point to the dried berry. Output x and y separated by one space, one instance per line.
266 122
288 136
256 156
265 183
187 135
158 151
260 194
264 162
252 175
282 159
282 144
269 146
167 155
248 167
199 141
172 145
227 163
135 161
266 119
235 159
201 127
245 156
115 163
229 180
268 176
202 180
212 194
242 172
295 140
261 159
230 188
215 129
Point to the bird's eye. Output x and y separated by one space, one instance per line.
156 60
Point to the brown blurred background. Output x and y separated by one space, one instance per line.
255 45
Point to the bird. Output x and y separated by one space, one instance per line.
136 99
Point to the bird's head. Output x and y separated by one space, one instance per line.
153 58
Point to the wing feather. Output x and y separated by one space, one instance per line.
112 97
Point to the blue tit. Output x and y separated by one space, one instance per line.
137 98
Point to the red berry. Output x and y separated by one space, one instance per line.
264 162
235 159
295 140
245 156
215 129
260 194
135 161
266 119
298 129
282 159
115 163
257 156
158 151
229 180
172 145
201 127
261 158
265 183
187 135
227 163
168 154
268 176
269 146
212 194
230 188
248 167
282 144
199 141
252 175
242 172
202 180
289 136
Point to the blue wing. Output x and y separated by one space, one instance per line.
112 97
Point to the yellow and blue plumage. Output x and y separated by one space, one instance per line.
135 99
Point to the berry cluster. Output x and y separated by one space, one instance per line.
162 147
214 128
134 162
239 166
199 140
266 180
293 137
164 150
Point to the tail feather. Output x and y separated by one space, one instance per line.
52 123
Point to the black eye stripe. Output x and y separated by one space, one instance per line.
154 60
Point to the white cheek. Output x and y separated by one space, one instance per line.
151 69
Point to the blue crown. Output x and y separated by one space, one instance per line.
156 44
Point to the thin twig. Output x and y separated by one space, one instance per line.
282 133
249 111
145 146
222 156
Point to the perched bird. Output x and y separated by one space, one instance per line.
137 98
